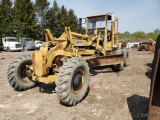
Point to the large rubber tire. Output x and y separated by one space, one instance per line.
119 67
16 73
73 81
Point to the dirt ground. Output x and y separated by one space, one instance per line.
112 96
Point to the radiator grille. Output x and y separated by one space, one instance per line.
18 45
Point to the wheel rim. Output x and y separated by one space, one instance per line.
78 81
22 72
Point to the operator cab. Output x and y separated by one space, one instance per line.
107 24
101 22
96 22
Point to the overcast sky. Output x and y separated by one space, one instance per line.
134 15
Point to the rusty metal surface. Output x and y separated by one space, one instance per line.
147 46
151 47
105 60
144 46
154 104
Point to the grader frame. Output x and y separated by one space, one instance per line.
69 44
66 60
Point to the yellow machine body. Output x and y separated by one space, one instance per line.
97 47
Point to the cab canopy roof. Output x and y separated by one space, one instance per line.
109 15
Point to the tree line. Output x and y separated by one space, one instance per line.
140 34
23 18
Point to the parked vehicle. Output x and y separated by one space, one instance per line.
38 44
11 44
27 44
146 46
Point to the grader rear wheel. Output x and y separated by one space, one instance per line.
73 81
18 73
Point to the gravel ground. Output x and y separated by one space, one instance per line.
112 96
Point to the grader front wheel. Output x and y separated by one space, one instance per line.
17 73
73 81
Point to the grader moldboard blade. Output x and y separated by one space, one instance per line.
154 103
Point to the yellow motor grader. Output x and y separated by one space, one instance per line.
66 60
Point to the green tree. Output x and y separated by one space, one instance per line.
157 31
6 18
70 19
53 19
152 35
124 35
73 22
59 17
62 21
139 34
25 22
41 7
